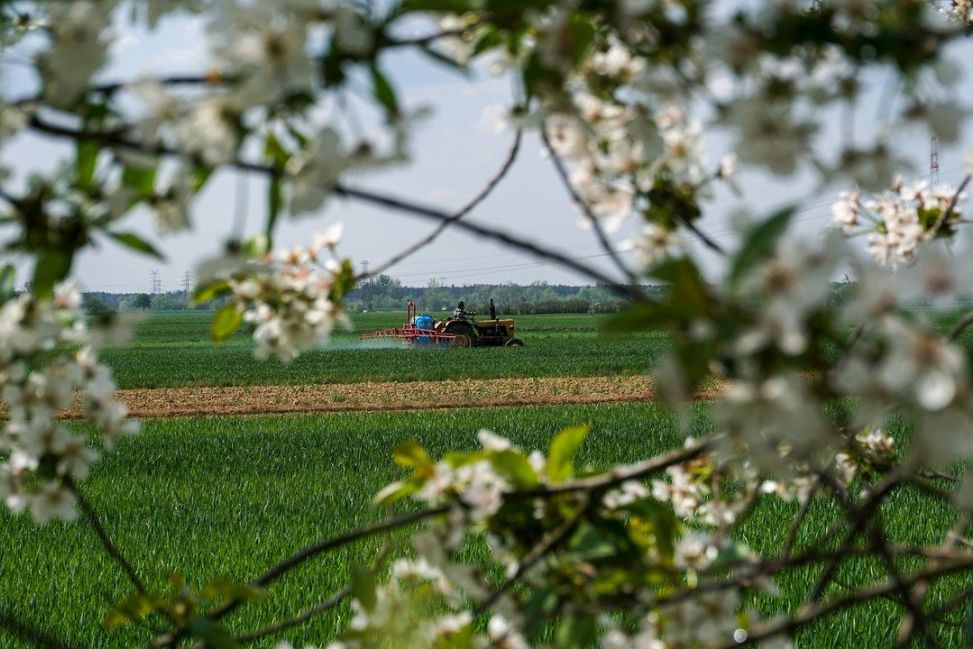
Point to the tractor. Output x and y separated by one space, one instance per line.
486 333
421 330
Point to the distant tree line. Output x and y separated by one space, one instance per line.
384 293
101 302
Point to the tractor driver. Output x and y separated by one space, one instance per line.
460 310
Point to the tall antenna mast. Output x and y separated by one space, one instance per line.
933 161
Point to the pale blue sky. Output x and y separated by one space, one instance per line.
455 151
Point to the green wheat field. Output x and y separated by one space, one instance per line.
209 497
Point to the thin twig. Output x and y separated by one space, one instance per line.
813 611
296 620
538 552
594 485
463 211
799 519
961 326
710 243
951 207
861 516
217 76
492 234
29 633
92 517
591 217
314 549
115 139
598 483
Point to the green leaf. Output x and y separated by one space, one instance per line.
384 92
85 162
461 639
197 179
395 492
227 589
576 632
133 607
213 633
515 467
210 291
449 62
52 267
560 456
658 526
759 243
135 242
582 35
344 281
363 586
226 322
8 278
256 246
410 454
688 296
140 179
592 543
490 39
642 316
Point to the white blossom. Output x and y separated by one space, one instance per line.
654 244
315 172
922 364
769 134
79 48
210 130
51 501
490 441
502 635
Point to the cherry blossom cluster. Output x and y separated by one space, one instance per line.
899 221
290 297
44 457
698 490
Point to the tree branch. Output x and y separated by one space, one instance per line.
593 220
92 517
29 633
619 475
961 326
795 527
310 551
951 207
812 611
547 544
296 620
710 243
466 209
116 139
492 234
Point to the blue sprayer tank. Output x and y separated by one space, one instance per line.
424 322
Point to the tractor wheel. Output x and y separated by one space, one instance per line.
464 332
514 342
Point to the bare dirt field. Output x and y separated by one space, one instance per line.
417 395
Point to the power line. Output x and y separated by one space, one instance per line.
156 281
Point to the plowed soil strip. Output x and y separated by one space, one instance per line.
418 395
